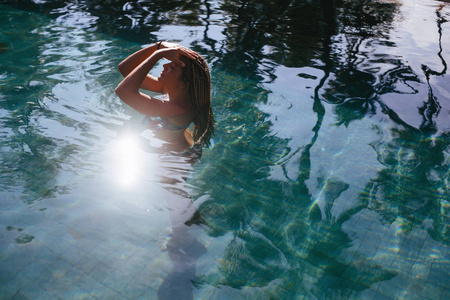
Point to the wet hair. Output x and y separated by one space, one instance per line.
197 92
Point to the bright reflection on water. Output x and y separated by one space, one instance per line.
126 161
328 177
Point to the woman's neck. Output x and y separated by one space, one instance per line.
176 96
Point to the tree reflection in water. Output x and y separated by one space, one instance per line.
313 243
432 107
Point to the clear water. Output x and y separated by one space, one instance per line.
328 177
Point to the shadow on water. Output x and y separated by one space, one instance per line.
279 238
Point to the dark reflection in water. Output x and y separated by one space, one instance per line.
183 248
432 107
354 81
278 231
135 20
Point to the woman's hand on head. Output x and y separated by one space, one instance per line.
164 45
174 54
190 53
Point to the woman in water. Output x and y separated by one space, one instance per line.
185 81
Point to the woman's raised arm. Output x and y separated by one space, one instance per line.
128 88
134 60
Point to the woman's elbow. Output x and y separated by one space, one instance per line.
121 68
124 93
120 91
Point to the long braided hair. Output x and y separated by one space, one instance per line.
197 92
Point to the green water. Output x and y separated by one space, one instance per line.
328 177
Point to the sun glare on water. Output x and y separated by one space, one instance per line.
126 160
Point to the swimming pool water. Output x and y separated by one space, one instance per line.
328 177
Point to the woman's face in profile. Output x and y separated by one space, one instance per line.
171 73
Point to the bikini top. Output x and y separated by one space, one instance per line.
162 123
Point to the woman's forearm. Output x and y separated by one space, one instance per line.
133 81
131 62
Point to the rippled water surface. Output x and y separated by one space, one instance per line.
328 176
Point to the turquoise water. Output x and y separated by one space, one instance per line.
328 177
